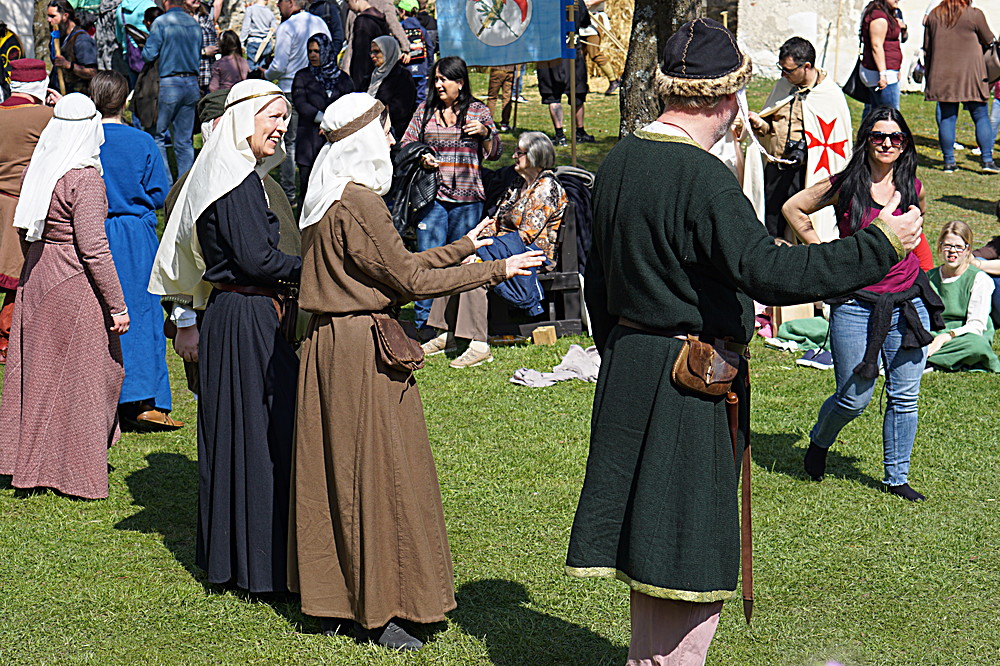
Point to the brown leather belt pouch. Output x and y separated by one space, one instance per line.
398 350
704 368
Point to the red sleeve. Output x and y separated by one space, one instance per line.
924 254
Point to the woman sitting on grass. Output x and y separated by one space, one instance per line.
966 343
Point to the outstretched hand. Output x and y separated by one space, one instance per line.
907 226
519 264
479 229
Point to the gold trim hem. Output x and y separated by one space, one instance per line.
667 138
651 590
897 244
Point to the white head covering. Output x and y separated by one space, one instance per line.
71 140
36 89
357 153
223 163
390 51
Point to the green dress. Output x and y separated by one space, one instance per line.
968 351
677 247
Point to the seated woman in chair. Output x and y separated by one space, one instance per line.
534 208
966 343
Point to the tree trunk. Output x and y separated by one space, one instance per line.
652 23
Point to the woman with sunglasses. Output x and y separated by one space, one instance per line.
966 342
886 323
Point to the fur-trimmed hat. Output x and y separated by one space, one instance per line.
702 59
27 70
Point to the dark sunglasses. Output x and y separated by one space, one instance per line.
897 139
789 71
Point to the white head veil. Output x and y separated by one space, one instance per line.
71 140
357 153
223 163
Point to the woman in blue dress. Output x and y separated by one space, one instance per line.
137 186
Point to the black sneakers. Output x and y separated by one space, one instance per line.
391 636
583 137
815 462
906 492
560 139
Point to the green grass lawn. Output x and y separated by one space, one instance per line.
843 571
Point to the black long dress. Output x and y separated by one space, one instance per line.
246 408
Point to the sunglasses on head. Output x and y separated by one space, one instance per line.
897 139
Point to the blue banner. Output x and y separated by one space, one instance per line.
501 32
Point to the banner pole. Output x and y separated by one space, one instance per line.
571 11
517 78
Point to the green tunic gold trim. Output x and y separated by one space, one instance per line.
651 590
897 244
670 138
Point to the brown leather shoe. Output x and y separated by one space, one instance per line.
154 419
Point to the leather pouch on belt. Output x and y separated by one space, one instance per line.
705 369
398 350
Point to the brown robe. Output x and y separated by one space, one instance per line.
956 71
369 540
59 411
21 123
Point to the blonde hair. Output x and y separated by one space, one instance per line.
963 231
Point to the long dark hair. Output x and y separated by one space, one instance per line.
853 186
452 68
229 44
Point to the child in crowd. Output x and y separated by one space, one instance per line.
257 33
232 67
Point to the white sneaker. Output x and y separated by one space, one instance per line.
473 356
442 343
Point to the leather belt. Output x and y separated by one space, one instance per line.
250 290
737 347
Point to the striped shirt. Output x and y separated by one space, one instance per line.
458 154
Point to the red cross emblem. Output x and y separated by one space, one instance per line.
825 144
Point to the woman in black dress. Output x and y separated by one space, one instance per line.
313 89
392 84
247 370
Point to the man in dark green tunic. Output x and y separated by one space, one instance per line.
678 250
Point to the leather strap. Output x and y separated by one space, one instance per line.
746 526
250 290
740 349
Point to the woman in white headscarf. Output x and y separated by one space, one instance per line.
369 541
392 84
64 366
221 246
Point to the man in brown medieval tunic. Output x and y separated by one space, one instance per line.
22 119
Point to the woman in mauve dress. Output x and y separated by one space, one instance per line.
221 247
58 414
368 540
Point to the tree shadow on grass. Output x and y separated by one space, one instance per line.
167 492
984 206
495 611
783 453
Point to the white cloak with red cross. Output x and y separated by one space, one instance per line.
827 121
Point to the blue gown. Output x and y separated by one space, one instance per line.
137 186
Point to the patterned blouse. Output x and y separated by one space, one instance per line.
535 213
457 153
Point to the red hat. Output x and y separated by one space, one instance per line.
27 70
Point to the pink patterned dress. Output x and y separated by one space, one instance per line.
58 414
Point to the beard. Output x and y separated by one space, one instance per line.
725 122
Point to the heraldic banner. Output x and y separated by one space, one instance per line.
501 32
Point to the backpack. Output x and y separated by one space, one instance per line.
418 45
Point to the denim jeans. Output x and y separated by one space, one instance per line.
994 118
438 224
287 168
177 102
947 118
888 96
903 368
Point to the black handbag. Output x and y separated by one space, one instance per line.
855 88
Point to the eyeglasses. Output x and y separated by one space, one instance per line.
788 71
897 139
953 248
519 153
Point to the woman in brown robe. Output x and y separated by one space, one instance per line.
58 416
369 541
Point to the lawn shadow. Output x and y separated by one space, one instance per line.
783 453
6 482
167 492
984 206
494 610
